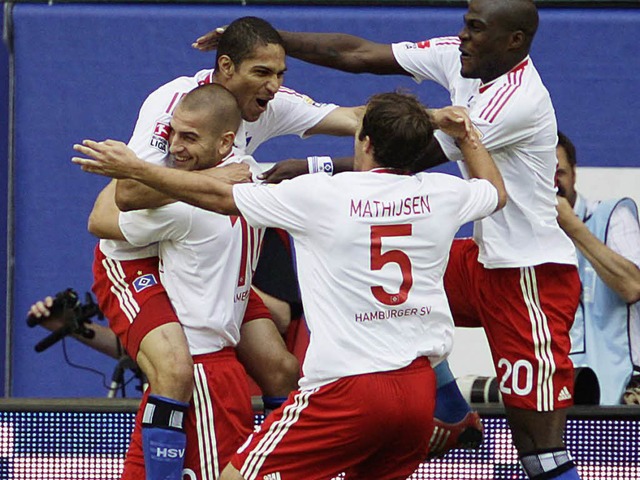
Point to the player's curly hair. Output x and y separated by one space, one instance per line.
399 129
243 35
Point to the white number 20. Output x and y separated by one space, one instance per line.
521 375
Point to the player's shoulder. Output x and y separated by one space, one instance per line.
170 93
288 96
436 44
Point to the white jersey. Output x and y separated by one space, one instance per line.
288 113
516 119
207 262
371 250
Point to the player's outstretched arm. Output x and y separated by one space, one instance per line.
114 159
291 168
342 52
132 195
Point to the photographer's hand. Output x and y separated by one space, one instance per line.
42 310
109 158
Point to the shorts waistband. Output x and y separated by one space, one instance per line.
224 354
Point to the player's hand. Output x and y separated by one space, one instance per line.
285 170
209 41
455 122
231 174
109 158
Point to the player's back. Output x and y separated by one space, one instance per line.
371 261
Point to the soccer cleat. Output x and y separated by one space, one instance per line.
467 434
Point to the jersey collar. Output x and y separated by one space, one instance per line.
485 86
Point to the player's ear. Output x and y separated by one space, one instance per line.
226 66
226 142
517 40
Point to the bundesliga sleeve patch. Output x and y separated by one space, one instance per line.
424 44
144 281
311 101
160 137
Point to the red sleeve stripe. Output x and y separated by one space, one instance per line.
288 91
447 41
502 96
174 101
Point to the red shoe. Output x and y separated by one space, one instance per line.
468 433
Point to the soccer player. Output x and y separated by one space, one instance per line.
207 265
604 335
371 250
250 63
518 277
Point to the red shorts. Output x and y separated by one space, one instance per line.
255 308
218 421
134 301
132 298
527 313
368 426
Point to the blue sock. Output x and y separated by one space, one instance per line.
451 407
571 474
272 403
163 438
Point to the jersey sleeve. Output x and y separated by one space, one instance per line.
150 138
437 59
478 199
294 113
285 205
170 222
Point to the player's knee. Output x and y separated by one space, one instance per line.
174 377
286 375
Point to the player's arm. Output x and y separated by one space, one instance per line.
114 159
334 50
620 274
342 121
132 195
455 122
343 52
103 220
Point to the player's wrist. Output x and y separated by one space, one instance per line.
319 164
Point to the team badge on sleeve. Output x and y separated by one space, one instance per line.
160 137
144 281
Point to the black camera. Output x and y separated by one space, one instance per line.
76 316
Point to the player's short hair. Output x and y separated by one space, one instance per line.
514 15
569 148
220 104
399 129
243 35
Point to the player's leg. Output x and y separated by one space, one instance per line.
321 432
404 424
528 332
164 357
220 417
455 424
265 357
231 473
131 297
